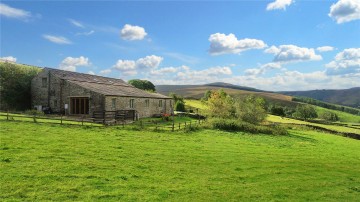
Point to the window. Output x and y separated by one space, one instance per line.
147 103
131 103
160 103
113 103
44 82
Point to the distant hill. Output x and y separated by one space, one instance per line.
232 86
348 97
197 92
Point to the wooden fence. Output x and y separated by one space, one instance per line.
170 125
114 117
76 120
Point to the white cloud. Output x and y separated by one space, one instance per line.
163 71
105 71
71 63
57 39
292 53
229 44
202 76
130 32
11 12
182 57
85 33
263 68
346 62
8 59
76 23
131 67
125 65
325 48
345 11
279 4
91 72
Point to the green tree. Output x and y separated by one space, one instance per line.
220 104
207 95
179 102
277 110
251 109
305 112
329 116
15 85
179 106
142 84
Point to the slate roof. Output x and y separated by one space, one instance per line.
104 85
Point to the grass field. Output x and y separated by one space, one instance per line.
62 162
278 119
343 116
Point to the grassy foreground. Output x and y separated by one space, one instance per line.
54 162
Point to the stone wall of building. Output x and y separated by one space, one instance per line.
57 92
139 104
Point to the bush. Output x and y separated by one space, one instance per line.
251 109
180 106
329 116
236 125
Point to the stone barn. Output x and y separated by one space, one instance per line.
73 93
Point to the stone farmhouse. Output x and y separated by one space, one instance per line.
73 93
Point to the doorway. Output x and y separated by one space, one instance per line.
79 105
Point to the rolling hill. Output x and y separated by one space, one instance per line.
197 92
348 97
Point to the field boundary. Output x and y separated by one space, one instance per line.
82 120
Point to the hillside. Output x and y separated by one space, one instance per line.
197 92
348 97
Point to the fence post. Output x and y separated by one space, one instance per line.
61 117
172 129
104 117
34 118
185 125
82 120
179 125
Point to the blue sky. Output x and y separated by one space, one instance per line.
271 45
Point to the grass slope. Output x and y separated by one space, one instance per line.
53 162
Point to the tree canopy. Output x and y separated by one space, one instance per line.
15 88
142 84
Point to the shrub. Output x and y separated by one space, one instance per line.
180 106
329 116
236 125
251 109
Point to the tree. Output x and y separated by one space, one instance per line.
142 84
220 104
251 109
207 95
15 85
305 112
277 110
179 102
179 106
329 116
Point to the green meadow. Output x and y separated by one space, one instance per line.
43 161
